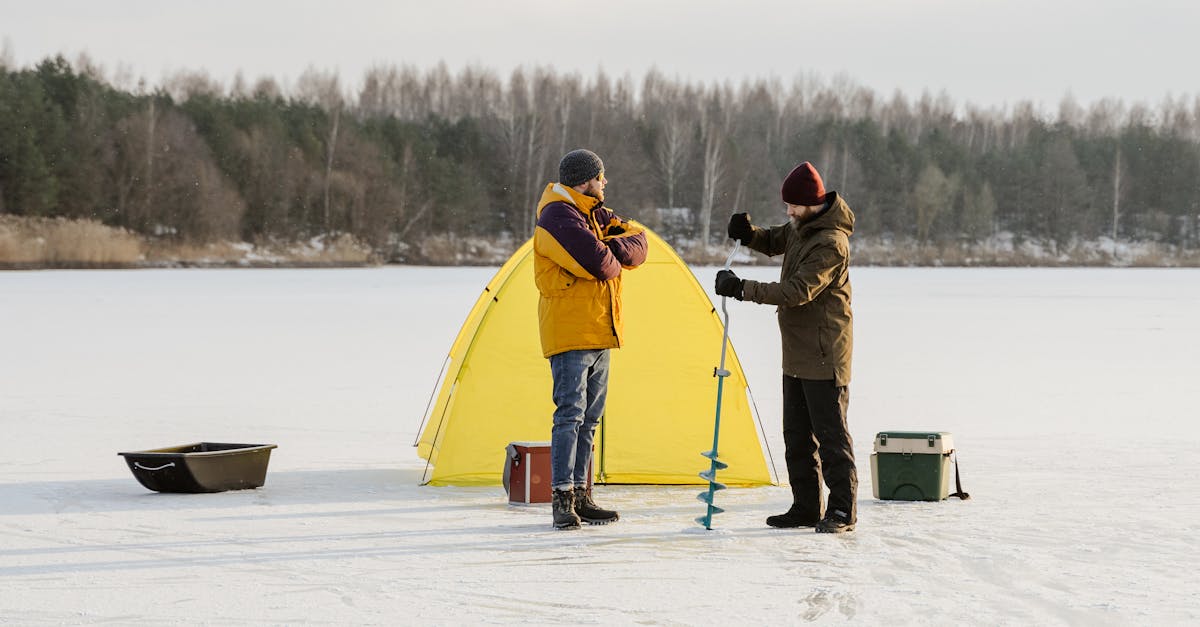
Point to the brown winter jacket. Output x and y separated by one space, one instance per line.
813 292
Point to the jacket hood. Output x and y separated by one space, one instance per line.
557 192
838 216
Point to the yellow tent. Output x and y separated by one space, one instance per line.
661 396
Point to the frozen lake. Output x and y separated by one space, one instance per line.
1070 393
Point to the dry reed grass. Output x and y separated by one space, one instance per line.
30 243
340 250
27 242
64 243
452 250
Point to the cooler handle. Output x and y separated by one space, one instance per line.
957 481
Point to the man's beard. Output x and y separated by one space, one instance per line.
598 194
594 190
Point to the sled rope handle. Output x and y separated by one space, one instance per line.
140 466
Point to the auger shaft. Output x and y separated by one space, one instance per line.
716 464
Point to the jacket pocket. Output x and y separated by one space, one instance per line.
556 282
561 282
825 341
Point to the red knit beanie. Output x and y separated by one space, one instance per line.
803 186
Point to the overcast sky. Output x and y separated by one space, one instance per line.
987 52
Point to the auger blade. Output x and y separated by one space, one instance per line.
711 477
706 519
720 465
703 496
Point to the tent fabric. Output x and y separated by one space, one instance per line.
661 396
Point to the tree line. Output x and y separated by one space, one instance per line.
409 154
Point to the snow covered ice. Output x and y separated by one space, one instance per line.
1070 394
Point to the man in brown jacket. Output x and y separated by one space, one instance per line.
813 304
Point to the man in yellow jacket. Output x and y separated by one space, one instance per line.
580 249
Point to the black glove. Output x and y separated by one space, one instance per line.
728 283
740 229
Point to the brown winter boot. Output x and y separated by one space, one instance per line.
564 510
589 512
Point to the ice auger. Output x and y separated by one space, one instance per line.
715 464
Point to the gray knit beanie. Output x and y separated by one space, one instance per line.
578 167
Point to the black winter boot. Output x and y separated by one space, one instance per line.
564 510
791 519
835 521
589 512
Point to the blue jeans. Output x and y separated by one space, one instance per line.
580 389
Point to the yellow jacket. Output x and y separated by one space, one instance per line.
580 248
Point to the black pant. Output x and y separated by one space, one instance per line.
817 442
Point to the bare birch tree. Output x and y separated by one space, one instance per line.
673 150
670 111
1116 192
714 125
931 197
324 90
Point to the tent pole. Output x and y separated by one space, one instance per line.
602 475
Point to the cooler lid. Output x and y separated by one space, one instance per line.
529 445
927 442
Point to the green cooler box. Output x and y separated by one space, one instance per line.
911 465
